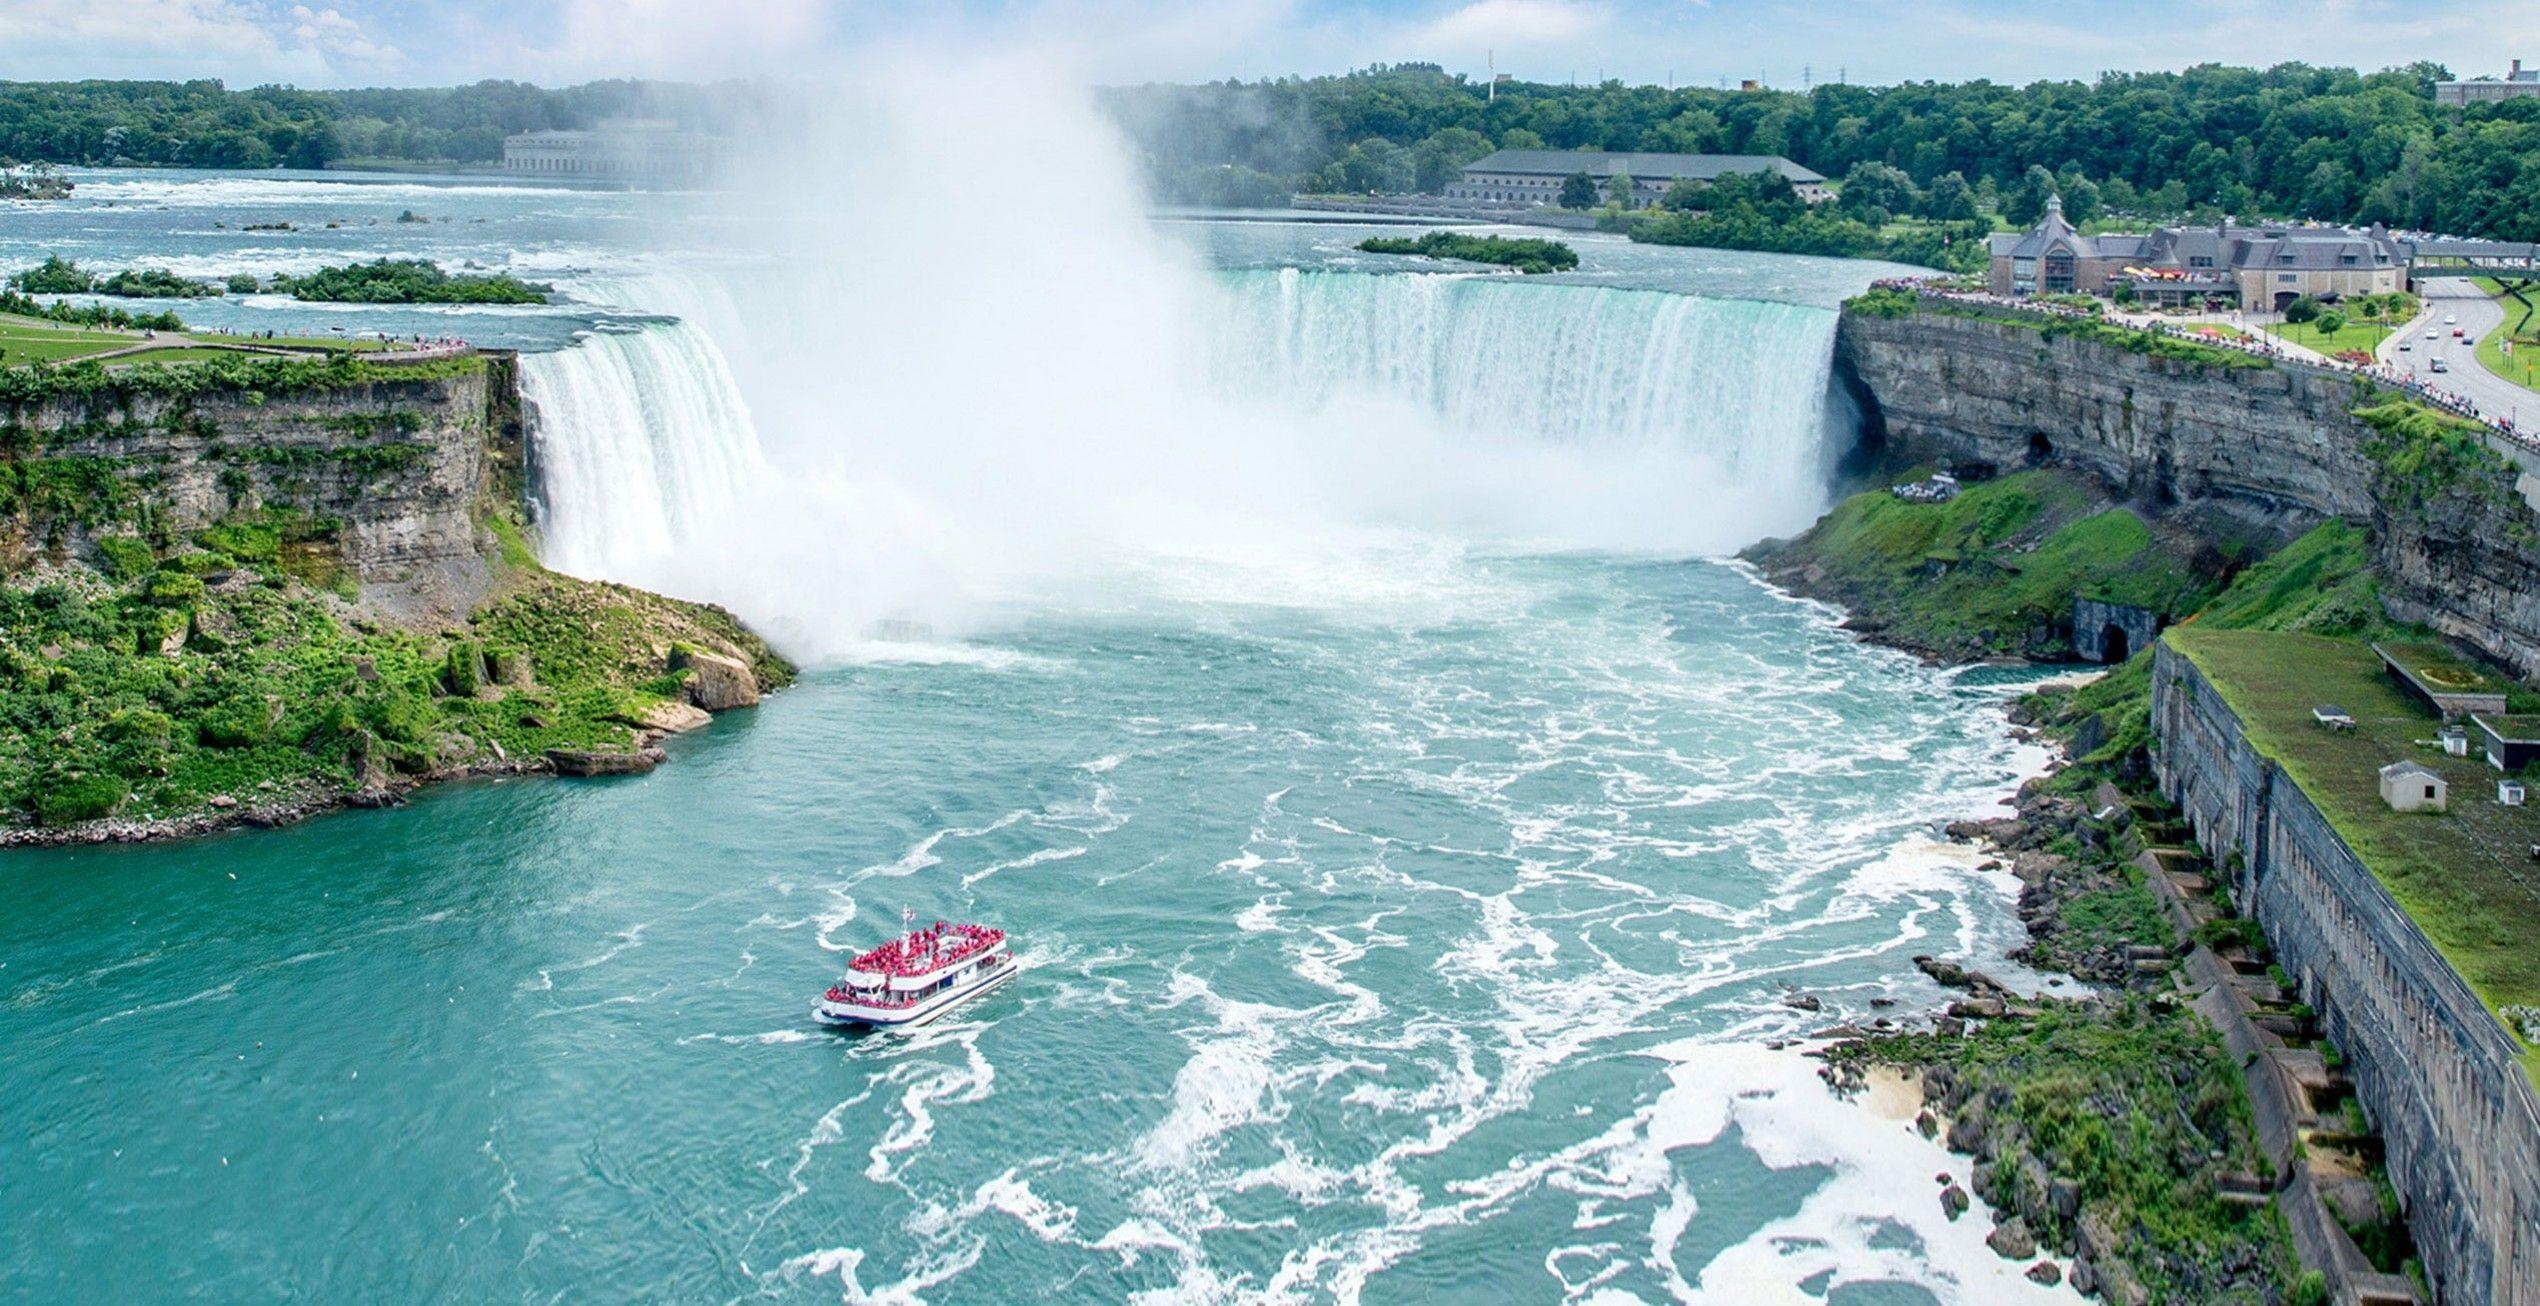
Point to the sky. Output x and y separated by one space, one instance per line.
1785 43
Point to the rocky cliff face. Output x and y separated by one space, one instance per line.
394 468
2280 447
2266 442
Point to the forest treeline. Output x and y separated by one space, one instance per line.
203 124
2292 140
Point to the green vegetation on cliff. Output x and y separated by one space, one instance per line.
174 675
2136 1104
163 670
1993 571
408 281
265 375
1889 302
2462 875
1525 255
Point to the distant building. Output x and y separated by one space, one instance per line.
2512 742
2517 83
2413 787
2262 267
1535 176
624 150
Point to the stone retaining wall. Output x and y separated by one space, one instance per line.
2440 1077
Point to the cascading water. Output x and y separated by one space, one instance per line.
1531 415
643 445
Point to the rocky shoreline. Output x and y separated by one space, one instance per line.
718 685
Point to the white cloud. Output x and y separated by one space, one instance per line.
688 39
1513 22
242 43
341 41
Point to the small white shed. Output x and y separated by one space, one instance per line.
2413 787
2509 792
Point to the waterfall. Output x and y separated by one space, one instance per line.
905 465
643 447
1736 386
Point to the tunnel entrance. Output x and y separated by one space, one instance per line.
2112 644
2039 447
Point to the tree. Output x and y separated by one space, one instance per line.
2081 200
2122 292
1578 191
2027 201
2329 322
1686 195
1618 189
1877 186
2302 310
1950 199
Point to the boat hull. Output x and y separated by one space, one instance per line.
849 1015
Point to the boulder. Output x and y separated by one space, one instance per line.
1966 1133
1977 1009
717 683
591 761
1947 974
2045 1273
2011 1240
2063 1196
1954 1201
1804 1002
673 717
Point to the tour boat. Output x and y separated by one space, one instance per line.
917 977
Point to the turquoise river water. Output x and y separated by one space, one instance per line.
1406 901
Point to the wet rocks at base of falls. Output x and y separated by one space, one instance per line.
597 762
715 682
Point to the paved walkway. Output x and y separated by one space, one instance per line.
153 341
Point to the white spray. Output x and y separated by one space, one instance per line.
971 375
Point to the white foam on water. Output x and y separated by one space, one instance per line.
1881 1181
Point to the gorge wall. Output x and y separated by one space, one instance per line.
2280 446
2443 1078
394 460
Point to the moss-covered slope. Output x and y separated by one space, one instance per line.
166 669
232 680
1991 572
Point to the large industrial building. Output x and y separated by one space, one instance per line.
1535 176
627 150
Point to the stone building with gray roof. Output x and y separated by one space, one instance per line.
1535 176
2258 267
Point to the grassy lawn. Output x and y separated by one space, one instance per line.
292 342
2522 367
31 340
2356 334
172 354
2465 876
27 340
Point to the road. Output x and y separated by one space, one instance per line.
2495 396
